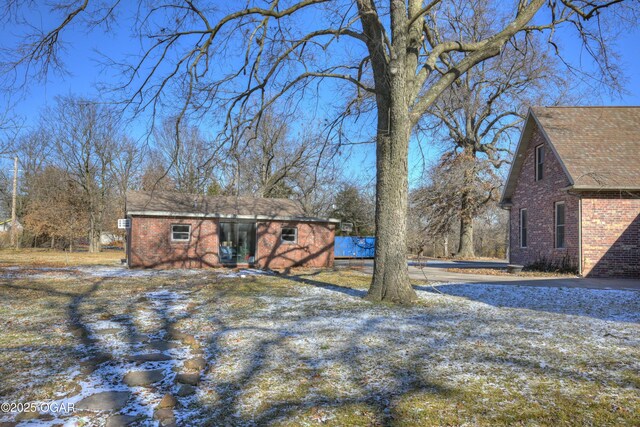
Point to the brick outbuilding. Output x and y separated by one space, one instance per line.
176 230
573 191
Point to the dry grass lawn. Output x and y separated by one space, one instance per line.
54 258
307 350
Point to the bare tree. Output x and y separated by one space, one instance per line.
405 54
86 138
275 163
55 207
316 188
155 174
189 158
33 148
491 232
479 115
459 185
126 169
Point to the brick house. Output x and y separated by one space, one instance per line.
573 191
191 231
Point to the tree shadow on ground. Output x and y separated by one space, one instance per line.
291 358
327 286
271 345
96 361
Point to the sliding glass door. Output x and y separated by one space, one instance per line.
237 242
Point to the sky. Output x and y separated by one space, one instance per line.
84 51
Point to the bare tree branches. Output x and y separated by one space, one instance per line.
236 61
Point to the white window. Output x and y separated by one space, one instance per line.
289 235
560 220
539 162
523 228
180 232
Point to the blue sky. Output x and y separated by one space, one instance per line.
82 62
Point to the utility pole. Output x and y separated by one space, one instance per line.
14 229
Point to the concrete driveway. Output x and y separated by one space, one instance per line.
436 271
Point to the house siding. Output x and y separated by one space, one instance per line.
539 198
314 247
150 245
611 235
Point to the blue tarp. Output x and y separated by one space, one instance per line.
354 247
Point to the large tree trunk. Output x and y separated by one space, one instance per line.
467 211
93 241
465 246
445 245
390 273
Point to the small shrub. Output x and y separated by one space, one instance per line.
564 265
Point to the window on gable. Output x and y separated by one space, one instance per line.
539 162
289 235
180 232
560 220
523 228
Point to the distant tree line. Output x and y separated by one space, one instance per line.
79 161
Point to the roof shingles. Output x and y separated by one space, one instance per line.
599 146
181 204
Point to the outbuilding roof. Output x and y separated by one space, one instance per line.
598 147
174 204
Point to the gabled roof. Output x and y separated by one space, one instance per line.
598 147
173 204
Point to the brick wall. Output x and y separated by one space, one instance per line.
150 243
314 247
611 235
539 198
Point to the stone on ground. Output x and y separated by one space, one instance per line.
195 364
186 390
104 401
136 338
150 357
191 379
120 420
165 416
163 345
143 378
168 401
186 339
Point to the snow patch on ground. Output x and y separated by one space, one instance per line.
106 272
109 374
312 333
606 304
467 333
245 272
